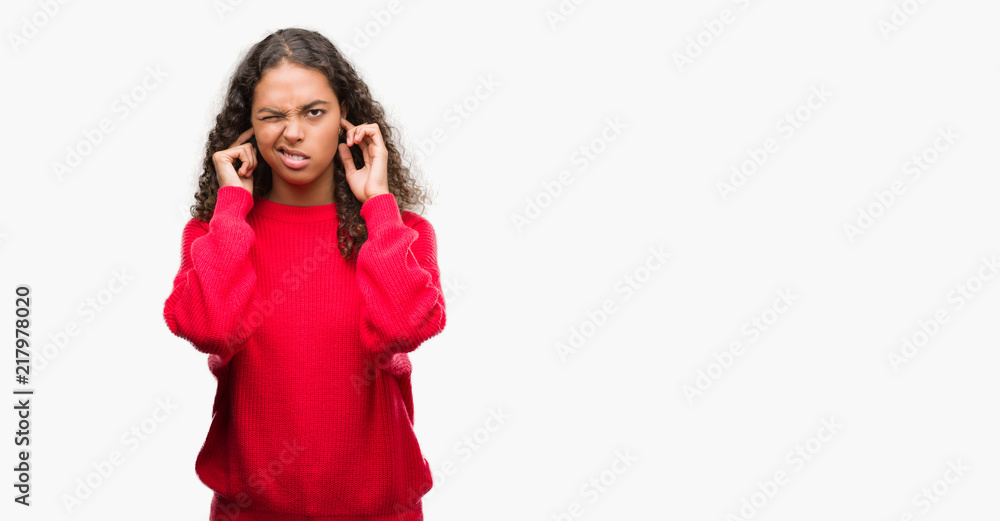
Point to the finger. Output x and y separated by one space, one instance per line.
347 125
374 135
370 136
252 154
362 132
242 138
245 159
346 159
353 135
366 150
370 142
371 139
367 143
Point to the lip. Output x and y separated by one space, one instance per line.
294 164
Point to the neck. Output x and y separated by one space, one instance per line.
318 192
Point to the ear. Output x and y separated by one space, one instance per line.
343 109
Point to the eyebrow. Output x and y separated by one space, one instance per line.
303 107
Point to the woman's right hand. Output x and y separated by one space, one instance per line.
245 152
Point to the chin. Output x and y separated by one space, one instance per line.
297 180
298 177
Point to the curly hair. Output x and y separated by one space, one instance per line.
312 50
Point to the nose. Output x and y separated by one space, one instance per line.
293 131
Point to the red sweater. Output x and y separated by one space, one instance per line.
313 414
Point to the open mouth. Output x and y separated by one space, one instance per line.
293 159
298 156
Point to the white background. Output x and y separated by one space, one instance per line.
515 293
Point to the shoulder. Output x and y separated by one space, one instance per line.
417 222
195 228
425 243
385 208
196 223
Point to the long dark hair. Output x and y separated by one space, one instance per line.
312 50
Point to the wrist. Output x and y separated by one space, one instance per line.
374 195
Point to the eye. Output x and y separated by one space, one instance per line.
269 117
321 111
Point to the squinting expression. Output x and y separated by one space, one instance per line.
296 121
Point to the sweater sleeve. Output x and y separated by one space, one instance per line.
398 278
214 303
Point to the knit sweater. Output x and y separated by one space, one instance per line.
313 413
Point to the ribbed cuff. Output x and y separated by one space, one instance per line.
233 201
380 212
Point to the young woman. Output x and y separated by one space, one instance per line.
307 282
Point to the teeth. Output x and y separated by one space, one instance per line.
293 157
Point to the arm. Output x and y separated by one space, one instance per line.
214 303
397 275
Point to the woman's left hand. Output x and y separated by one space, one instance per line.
373 178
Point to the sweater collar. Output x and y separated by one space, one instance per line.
296 214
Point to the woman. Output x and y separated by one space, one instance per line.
306 282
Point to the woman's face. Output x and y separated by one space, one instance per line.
296 120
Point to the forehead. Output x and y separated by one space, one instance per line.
289 85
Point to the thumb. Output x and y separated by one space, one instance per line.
346 158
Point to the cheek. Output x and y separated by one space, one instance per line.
330 139
265 142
